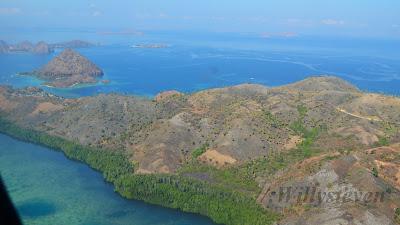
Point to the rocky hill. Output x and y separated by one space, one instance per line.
68 69
41 48
334 150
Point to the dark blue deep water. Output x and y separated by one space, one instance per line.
197 61
47 188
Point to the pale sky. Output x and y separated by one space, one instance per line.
308 17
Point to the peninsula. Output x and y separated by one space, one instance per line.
318 151
67 70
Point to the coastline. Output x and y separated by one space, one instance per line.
71 86
157 189
106 206
74 85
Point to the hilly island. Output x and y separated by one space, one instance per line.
67 70
318 151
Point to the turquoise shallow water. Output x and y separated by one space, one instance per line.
48 188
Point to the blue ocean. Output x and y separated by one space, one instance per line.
198 61
194 61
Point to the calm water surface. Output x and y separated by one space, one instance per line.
48 188
200 61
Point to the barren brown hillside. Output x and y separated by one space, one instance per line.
321 132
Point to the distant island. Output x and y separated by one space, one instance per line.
26 46
42 47
72 44
67 70
151 46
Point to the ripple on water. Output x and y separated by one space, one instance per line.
37 208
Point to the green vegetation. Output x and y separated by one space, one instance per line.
232 177
397 215
302 110
336 135
198 151
375 171
332 157
190 195
272 119
111 163
382 142
300 129
242 177
307 207
305 147
220 203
